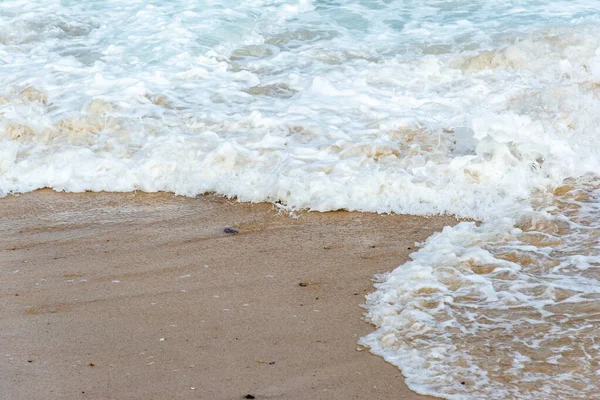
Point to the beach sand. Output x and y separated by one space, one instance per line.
144 296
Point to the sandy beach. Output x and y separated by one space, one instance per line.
145 296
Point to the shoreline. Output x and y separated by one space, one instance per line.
138 295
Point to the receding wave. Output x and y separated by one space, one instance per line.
497 311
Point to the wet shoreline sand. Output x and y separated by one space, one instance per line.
144 296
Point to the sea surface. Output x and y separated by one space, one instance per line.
485 109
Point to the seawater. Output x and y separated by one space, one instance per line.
487 110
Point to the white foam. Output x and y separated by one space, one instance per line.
510 316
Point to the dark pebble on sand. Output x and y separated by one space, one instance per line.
249 396
231 231
303 284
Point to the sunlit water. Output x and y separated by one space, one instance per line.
484 109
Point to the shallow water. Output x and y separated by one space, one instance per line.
482 109
483 312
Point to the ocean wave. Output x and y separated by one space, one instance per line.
483 110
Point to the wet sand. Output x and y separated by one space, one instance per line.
144 296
